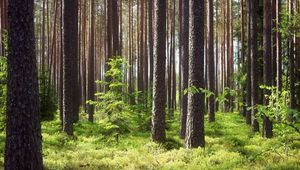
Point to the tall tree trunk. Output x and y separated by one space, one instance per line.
184 64
267 124
83 56
61 79
150 40
195 118
274 47
180 55
23 148
292 63
70 63
145 55
279 47
249 82
109 31
217 55
115 27
141 52
91 63
159 94
211 62
243 50
254 62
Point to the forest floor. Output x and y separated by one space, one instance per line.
229 145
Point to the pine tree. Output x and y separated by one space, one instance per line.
23 149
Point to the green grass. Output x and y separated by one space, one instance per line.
229 145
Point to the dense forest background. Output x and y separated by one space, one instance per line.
149 84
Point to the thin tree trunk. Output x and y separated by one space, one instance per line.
91 63
184 64
267 124
211 62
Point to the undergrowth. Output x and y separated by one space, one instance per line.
229 145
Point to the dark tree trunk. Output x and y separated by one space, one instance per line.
109 31
141 52
248 87
274 47
173 60
70 63
180 56
159 93
184 64
61 75
23 149
211 62
150 39
195 118
243 50
267 124
279 47
292 63
254 62
115 27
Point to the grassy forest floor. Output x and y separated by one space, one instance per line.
229 145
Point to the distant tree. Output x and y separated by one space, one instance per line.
23 149
150 39
115 27
91 63
184 64
159 64
292 61
195 117
211 61
253 62
279 46
3 23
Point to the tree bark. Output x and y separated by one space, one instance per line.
211 62
184 64
279 47
267 33
159 94
91 64
254 63
70 63
23 148
195 118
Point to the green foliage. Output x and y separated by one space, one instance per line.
195 90
115 113
286 120
3 76
229 145
289 25
47 97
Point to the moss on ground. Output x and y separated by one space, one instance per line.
229 145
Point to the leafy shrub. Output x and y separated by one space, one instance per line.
116 113
286 120
47 97
3 76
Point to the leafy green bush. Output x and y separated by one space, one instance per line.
286 120
47 97
3 76
115 112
